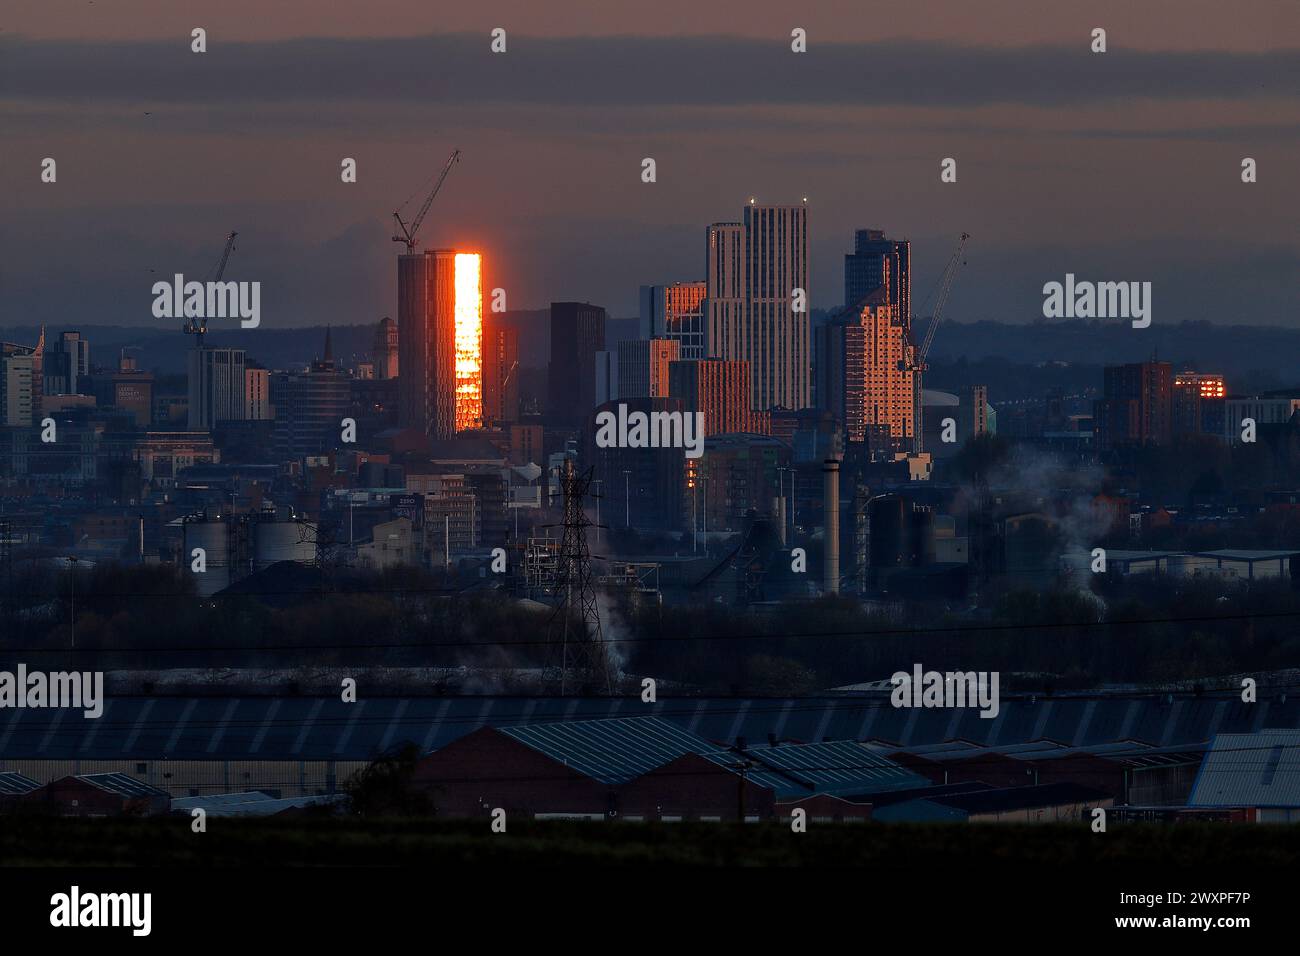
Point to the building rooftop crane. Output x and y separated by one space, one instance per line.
199 327
409 231
922 352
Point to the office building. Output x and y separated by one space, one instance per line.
675 312
500 371
577 334
383 355
440 341
67 363
1136 407
866 374
643 367
257 394
217 386
1199 404
310 407
720 389
17 371
876 262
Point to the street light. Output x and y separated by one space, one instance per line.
627 499
72 617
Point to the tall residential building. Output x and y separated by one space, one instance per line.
1137 405
500 371
383 353
866 374
577 334
643 367
426 335
752 270
310 407
876 262
1199 403
67 363
606 363
217 386
720 389
675 312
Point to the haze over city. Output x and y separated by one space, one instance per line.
1129 172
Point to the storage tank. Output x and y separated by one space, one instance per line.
275 541
213 536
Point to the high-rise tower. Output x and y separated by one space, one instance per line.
440 341
757 307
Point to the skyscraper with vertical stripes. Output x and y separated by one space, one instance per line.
753 274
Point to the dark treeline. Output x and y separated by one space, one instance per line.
1136 629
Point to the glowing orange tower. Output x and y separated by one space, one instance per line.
469 341
440 342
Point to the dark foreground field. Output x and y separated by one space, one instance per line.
44 841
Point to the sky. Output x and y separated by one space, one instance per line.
1122 166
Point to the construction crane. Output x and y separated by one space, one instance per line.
408 232
919 357
200 326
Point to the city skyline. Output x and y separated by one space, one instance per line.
552 163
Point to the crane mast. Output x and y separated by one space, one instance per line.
199 327
408 232
919 358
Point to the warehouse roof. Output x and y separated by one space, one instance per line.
1250 770
612 751
119 783
14 784
833 768
251 804
1019 798
325 728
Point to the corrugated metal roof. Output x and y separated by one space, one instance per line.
832 768
1250 770
265 806
612 751
13 784
1019 798
121 784
325 728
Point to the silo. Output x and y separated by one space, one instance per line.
275 541
214 538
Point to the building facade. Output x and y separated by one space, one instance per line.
643 367
577 334
675 312
757 302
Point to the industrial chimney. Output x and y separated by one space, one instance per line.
831 545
